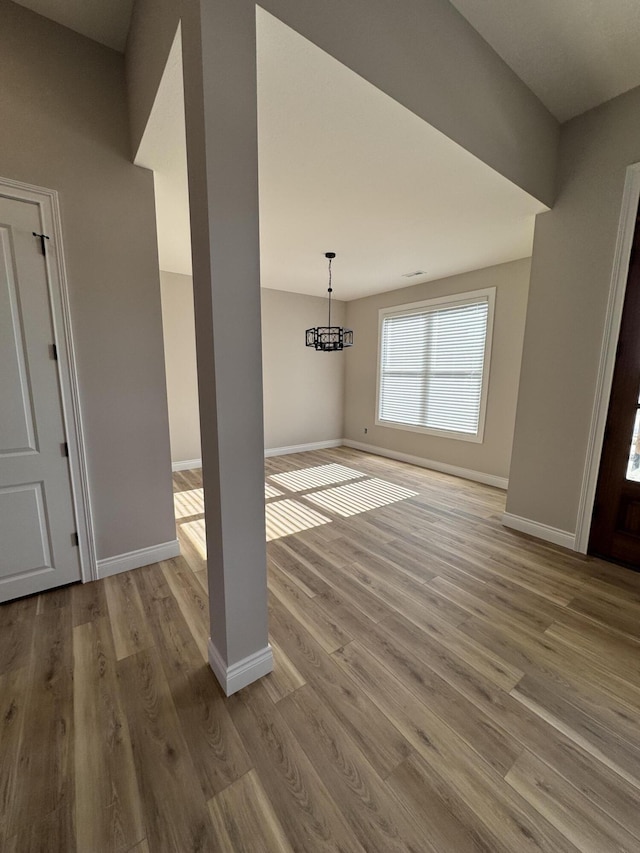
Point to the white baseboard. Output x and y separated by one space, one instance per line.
432 464
136 559
540 531
302 448
238 675
186 465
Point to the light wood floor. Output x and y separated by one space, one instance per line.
442 685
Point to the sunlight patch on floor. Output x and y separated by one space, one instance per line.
354 498
286 517
190 502
271 492
196 532
312 478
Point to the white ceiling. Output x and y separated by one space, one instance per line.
574 54
344 168
105 21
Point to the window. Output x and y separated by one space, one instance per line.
434 365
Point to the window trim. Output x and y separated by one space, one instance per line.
453 300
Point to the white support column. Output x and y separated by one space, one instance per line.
219 55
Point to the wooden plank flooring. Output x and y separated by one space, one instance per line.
441 685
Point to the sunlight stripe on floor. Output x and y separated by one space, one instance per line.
362 496
286 517
311 478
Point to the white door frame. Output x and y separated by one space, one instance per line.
51 221
617 290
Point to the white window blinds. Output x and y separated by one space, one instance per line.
432 366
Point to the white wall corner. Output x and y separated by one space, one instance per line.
136 559
431 464
246 671
540 531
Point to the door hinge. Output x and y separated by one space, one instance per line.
64 447
42 238
53 349
75 541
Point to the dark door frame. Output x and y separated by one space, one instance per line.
617 290
615 518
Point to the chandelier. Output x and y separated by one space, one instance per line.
329 338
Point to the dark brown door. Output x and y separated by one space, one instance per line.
615 528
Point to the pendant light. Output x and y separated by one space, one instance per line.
329 338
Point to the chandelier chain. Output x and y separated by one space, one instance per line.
330 291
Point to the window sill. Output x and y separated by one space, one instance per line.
476 438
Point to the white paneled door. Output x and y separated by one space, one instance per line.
38 547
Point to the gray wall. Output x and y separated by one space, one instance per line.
180 365
405 49
493 455
151 33
303 389
572 263
308 395
64 126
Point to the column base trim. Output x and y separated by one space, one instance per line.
238 675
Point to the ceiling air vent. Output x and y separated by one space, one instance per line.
412 274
